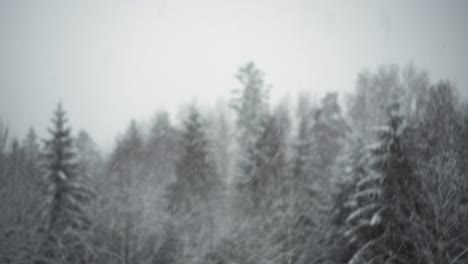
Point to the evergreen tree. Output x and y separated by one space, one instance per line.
303 141
385 201
354 165
320 139
128 178
89 159
266 198
363 208
162 149
269 157
32 157
169 249
31 145
67 196
20 196
196 178
192 197
329 132
3 138
250 103
277 190
303 205
251 107
4 141
222 135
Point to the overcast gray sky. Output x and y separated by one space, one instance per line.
110 61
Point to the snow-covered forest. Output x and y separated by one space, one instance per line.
379 175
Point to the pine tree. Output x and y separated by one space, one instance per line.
251 106
280 217
31 166
271 182
196 178
266 197
354 166
329 132
67 197
128 178
20 196
192 197
306 220
364 207
168 251
31 145
89 159
384 201
222 133
162 149
320 139
3 138
303 141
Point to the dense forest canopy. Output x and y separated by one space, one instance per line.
378 175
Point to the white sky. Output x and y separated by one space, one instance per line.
110 61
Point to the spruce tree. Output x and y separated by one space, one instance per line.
250 103
19 195
329 132
364 209
67 196
384 202
193 195
251 107
270 182
320 139
196 178
31 145
162 149
129 179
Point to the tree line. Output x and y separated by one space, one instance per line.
378 175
